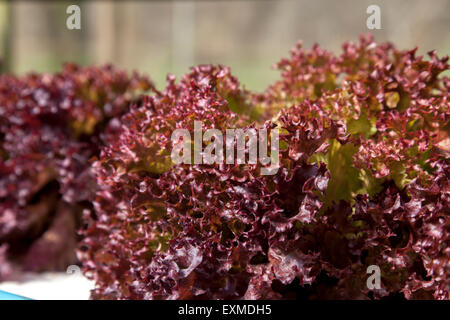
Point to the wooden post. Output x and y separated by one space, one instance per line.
6 30
183 35
127 34
105 32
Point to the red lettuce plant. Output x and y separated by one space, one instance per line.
140 160
363 180
50 127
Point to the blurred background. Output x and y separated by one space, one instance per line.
161 36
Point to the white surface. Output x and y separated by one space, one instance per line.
51 286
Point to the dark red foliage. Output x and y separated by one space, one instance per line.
51 125
363 180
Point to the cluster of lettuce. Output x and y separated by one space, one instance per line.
363 180
51 125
